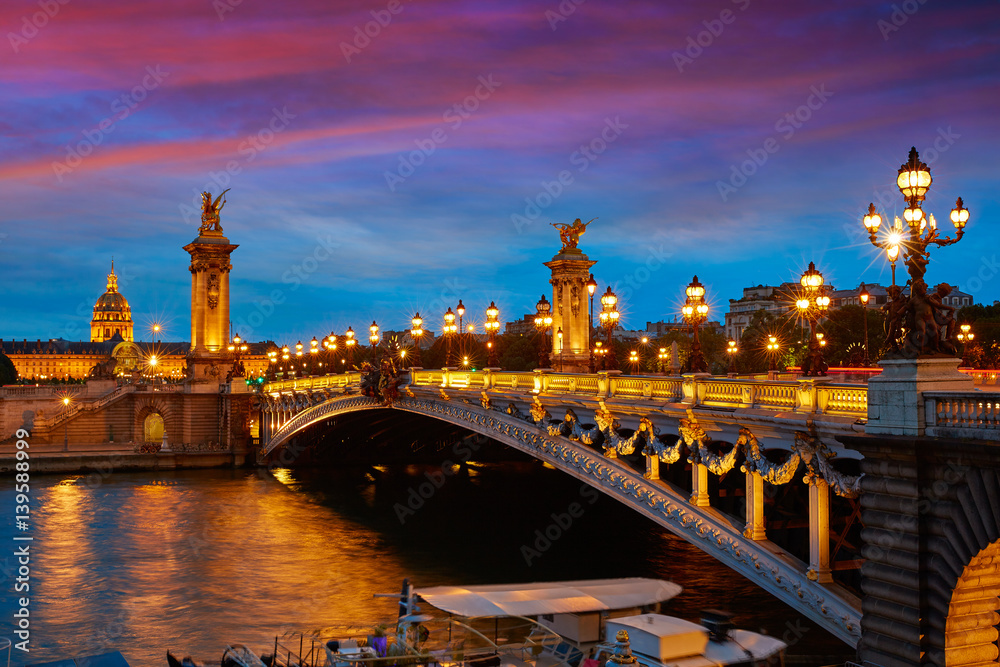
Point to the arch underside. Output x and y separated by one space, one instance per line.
827 605
970 630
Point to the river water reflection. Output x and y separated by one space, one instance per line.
193 560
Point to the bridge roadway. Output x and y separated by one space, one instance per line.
550 415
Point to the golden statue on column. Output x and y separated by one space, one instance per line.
210 212
570 234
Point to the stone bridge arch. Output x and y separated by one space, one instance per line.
145 408
931 508
764 563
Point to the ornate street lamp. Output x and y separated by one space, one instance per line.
350 343
448 331
373 338
964 337
417 332
330 345
609 317
492 327
732 350
460 311
661 360
543 322
913 180
591 288
633 359
811 305
695 312
864 296
773 347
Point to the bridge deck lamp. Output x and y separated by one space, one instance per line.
695 311
913 180
350 343
543 322
965 336
773 347
492 328
609 317
591 288
863 297
732 350
416 333
448 331
633 358
373 337
812 305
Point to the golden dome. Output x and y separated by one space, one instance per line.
112 314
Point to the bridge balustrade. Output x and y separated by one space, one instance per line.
962 414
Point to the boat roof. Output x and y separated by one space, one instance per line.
561 597
659 627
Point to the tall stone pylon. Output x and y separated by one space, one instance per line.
570 301
210 268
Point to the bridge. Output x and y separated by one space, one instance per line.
628 436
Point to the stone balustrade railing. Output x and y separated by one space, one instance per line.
973 414
313 382
810 395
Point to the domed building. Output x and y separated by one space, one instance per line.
112 314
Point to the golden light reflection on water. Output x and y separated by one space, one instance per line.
149 569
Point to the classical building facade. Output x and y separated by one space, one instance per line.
112 338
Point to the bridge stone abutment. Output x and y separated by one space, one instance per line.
931 510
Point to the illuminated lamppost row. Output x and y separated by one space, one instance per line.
416 332
448 331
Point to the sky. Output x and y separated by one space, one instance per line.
392 156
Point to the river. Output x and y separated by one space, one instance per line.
193 560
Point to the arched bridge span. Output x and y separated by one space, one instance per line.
566 446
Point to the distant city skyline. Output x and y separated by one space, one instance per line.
402 156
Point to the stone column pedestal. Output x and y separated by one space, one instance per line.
895 404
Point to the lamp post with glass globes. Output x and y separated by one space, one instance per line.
965 336
285 361
773 347
543 322
492 327
695 312
732 351
863 297
811 305
913 180
373 338
460 311
331 352
633 360
350 343
448 331
609 317
272 360
299 361
416 333
237 347
591 288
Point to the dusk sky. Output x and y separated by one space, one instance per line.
374 176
